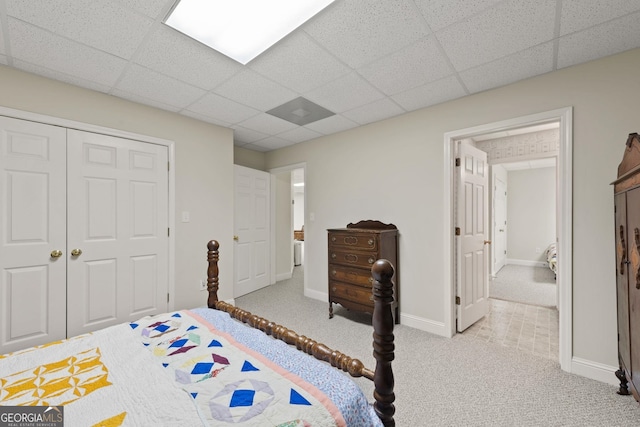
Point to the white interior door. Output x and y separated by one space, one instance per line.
118 218
251 230
32 226
499 240
472 258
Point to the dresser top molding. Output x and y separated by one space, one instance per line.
630 165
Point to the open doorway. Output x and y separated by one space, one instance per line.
297 182
561 117
288 210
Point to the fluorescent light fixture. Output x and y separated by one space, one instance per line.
299 184
241 29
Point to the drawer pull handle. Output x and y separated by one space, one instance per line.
350 240
333 238
333 256
333 289
370 242
371 260
371 298
370 279
333 272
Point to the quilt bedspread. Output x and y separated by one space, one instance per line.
173 369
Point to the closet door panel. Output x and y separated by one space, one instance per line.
32 227
117 216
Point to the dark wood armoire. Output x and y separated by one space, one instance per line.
627 231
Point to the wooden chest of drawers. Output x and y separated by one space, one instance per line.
352 252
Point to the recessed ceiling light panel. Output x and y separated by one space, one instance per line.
241 29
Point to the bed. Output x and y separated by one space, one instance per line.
208 366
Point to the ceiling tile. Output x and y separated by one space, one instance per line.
365 60
332 124
250 88
242 134
185 59
344 93
104 25
519 66
253 147
420 63
297 63
377 110
152 8
205 118
39 47
581 14
442 13
267 123
299 134
146 101
603 40
508 28
56 75
222 108
359 32
430 94
152 85
272 143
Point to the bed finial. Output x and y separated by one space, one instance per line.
212 272
383 346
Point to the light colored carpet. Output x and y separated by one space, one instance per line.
461 381
527 285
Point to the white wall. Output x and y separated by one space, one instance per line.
393 171
531 214
498 172
203 168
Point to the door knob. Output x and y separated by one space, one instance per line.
76 252
487 242
235 238
56 253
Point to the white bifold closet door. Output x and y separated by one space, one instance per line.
83 232
33 298
117 215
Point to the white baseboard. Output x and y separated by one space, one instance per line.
594 370
284 276
320 296
427 325
420 323
526 262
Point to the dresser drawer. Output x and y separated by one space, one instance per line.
357 276
346 257
350 293
359 241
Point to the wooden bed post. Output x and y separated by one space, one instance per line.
383 321
212 272
383 346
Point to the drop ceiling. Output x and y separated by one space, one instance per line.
363 60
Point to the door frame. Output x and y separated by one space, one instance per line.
274 172
57 121
564 116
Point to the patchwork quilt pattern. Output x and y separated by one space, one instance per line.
65 381
228 382
177 369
